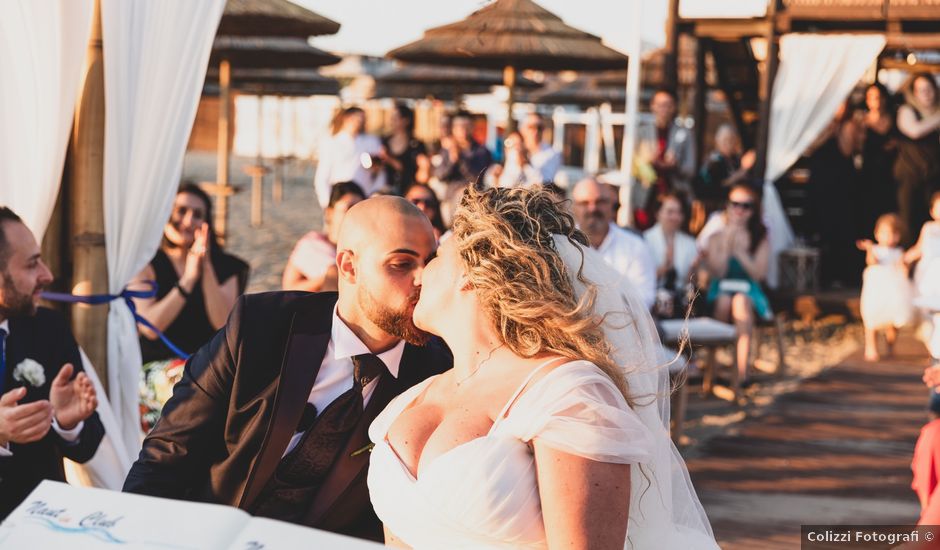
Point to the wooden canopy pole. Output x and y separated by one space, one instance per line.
767 77
509 79
223 161
90 268
701 92
670 63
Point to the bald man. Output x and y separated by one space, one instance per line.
272 414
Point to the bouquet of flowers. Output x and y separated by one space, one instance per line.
156 387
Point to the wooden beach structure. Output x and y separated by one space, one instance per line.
742 40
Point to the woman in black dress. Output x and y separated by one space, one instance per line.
917 168
406 158
878 154
197 283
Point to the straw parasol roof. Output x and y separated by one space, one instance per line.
288 89
443 92
270 52
292 82
463 77
517 33
584 91
273 17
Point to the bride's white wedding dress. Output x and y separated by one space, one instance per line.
483 494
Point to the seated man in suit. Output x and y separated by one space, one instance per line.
47 411
272 414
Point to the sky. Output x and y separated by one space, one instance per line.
374 27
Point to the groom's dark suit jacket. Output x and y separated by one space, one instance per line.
241 397
46 339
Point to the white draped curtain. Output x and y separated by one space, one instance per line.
155 56
815 75
42 51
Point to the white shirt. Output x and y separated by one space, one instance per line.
340 160
70 436
547 161
629 255
336 370
684 251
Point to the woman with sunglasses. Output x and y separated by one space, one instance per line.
736 258
424 198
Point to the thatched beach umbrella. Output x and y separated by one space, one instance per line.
440 82
512 35
585 90
286 82
273 18
250 52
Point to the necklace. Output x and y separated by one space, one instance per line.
480 365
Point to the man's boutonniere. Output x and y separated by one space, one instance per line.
30 371
366 449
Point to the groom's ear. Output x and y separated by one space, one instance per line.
346 265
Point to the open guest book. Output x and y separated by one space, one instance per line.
58 515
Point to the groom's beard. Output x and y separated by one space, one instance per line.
397 322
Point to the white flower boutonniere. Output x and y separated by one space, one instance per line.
30 371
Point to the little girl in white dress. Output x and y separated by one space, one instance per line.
886 291
927 275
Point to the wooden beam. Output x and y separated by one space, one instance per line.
730 29
90 268
913 41
891 63
766 85
701 92
671 61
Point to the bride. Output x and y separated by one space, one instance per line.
551 429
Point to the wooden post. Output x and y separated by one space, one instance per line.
767 77
277 188
257 175
509 79
90 268
701 93
670 62
223 161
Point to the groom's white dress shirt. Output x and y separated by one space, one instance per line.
336 370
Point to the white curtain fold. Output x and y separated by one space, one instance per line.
155 56
816 74
109 466
42 51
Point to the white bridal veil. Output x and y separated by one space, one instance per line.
664 510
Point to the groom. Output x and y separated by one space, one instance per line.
272 414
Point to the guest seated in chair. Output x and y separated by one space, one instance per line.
736 259
674 252
47 402
197 285
312 264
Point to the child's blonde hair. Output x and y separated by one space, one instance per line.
892 220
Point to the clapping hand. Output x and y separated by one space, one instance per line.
23 423
932 376
72 400
864 245
195 258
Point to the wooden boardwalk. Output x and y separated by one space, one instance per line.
837 450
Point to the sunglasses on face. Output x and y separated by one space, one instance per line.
426 202
741 205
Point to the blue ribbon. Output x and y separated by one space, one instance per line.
126 295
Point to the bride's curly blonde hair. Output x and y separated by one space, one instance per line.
504 237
